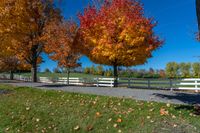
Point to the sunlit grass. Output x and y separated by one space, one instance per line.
33 110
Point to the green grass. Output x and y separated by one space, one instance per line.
56 75
33 110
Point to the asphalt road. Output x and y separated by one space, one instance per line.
138 94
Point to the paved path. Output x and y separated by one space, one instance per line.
138 94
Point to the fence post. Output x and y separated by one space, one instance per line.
149 85
129 83
97 82
196 86
171 84
111 83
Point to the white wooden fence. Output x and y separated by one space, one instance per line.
189 84
169 84
45 80
106 82
72 81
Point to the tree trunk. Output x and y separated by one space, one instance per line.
11 75
34 71
34 62
115 76
68 72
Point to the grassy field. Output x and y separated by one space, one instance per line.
55 75
33 110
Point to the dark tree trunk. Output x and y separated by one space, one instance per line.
34 63
198 12
11 75
34 71
68 72
115 76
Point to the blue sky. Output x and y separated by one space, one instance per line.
177 25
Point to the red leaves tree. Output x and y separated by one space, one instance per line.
118 34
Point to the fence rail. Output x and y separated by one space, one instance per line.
167 84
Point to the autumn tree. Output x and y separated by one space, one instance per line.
162 73
27 21
62 36
118 34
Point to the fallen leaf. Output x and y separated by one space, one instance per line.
151 110
27 108
168 105
119 120
164 112
119 131
148 117
110 119
7 129
76 128
173 116
115 125
152 121
89 128
37 120
175 125
98 114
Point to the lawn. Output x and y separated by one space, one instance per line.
56 75
34 110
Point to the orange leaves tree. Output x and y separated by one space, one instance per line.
118 34
62 36
26 24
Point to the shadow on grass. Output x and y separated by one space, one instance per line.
186 98
9 81
192 99
4 92
53 85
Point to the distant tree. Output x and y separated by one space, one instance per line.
47 70
109 73
56 70
172 70
100 70
162 73
196 69
185 69
151 71
87 70
93 70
